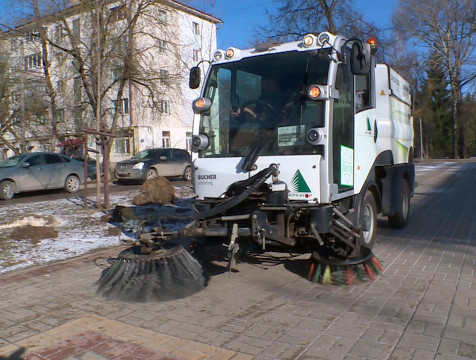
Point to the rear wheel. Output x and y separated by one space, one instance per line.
7 190
368 220
400 218
151 173
72 184
187 174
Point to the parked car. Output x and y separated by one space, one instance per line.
39 171
154 162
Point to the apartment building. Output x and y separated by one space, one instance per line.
134 55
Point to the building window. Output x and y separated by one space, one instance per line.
164 107
31 36
15 97
188 140
162 16
77 90
119 45
13 44
164 76
162 46
116 73
123 106
123 142
196 55
14 71
196 28
60 57
33 61
58 32
166 139
118 13
78 118
59 116
77 29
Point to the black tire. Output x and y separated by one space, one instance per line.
187 174
400 219
151 173
72 184
7 190
368 220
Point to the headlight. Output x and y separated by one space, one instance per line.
199 142
138 166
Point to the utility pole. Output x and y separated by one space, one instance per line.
421 143
98 105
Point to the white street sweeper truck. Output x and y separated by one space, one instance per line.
299 145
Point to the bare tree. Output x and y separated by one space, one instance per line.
295 18
447 28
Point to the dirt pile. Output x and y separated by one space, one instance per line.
35 233
158 190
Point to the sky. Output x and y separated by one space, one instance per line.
242 18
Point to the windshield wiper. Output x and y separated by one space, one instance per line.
249 164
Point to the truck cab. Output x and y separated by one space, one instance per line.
337 125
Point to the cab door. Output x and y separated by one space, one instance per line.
343 131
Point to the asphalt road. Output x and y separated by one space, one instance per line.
36 196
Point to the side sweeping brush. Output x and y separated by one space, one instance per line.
340 272
166 274
166 271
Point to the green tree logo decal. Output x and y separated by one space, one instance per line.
299 184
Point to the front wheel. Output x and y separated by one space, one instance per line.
400 218
7 190
72 184
368 220
187 174
151 173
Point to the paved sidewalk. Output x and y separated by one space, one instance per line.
422 307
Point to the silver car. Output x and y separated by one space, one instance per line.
151 163
39 171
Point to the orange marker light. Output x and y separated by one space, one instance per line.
314 92
200 103
372 42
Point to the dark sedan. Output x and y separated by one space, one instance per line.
155 162
39 171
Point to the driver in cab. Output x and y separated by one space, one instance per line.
269 108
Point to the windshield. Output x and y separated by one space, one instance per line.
149 154
11 162
261 101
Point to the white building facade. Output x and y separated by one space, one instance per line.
147 53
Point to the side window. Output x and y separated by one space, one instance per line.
53 159
35 160
362 92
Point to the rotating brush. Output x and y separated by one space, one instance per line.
340 272
165 274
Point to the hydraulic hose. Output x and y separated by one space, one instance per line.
260 177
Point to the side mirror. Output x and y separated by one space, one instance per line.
195 77
25 165
360 58
162 158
